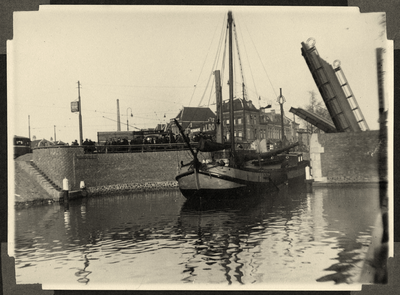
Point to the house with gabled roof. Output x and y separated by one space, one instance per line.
41 143
192 118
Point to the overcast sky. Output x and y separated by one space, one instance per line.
156 60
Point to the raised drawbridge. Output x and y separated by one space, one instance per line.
335 91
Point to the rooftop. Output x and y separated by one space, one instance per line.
195 114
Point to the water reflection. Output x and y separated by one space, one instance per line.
159 237
353 211
231 233
83 273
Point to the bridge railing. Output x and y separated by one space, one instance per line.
131 148
137 148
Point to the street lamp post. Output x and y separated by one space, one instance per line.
127 121
80 115
29 125
281 100
261 110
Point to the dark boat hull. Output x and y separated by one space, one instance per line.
226 182
298 173
222 182
238 193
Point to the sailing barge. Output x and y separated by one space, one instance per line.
244 173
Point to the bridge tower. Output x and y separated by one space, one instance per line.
337 95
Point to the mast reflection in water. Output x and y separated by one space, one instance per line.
159 240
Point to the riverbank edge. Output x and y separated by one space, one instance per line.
329 184
98 191
130 187
58 196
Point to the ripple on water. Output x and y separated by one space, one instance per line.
233 245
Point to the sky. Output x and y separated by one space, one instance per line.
156 60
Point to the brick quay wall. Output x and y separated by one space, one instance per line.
111 169
347 157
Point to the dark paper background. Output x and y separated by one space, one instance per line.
7 7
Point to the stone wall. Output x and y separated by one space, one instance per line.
57 163
120 168
98 170
345 157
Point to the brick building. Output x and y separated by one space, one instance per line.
270 127
252 123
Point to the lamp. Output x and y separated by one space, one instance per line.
281 100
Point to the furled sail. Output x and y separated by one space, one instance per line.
271 153
206 145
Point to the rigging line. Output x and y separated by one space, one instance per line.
240 62
138 86
234 74
247 56
272 86
211 93
224 55
208 82
136 97
213 66
214 63
122 123
41 106
124 115
223 33
198 78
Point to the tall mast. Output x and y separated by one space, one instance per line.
281 100
231 110
220 119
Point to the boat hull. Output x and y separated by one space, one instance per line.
221 182
297 174
227 182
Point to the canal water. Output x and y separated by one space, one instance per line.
158 240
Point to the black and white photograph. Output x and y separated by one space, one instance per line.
200 147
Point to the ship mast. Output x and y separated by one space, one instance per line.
231 110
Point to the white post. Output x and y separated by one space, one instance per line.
65 184
65 190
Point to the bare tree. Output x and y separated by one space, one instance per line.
316 106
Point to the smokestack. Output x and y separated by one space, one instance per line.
118 120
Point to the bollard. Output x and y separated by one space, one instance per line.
65 189
83 189
309 180
308 176
65 184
